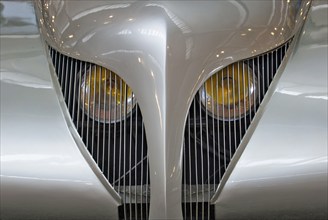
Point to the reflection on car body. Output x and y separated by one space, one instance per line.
164 110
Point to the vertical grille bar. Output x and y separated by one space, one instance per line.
104 168
234 109
66 78
239 103
196 160
109 140
147 176
224 131
98 75
142 172
218 136
136 159
184 186
120 144
74 92
93 113
115 128
201 158
116 141
214 131
229 105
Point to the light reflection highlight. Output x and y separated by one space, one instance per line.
151 32
30 157
88 37
24 79
98 9
287 161
177 21
125 32
47 179
317 97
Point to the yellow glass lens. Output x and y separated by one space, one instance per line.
229 93
104 95
230 85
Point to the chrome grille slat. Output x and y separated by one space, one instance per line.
229 122
135 159
66 79
249 94
244 93
189 163
213 128
119 148
130 150
120 141
124 147
98 124
93 118
115 115
60 58
88 114
109 130
258 80
218 133
74 92
207 149
253 79
196 160
224 136
142 169
184 186
201 157
104 127
210 143
234 110
239 111
147 170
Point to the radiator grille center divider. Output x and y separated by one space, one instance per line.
209 142
119 148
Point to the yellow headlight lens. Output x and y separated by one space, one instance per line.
230 93
105 96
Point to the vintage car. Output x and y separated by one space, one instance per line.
164 109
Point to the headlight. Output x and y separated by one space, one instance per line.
230 93
105 97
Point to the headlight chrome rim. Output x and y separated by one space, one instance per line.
239 108
112 109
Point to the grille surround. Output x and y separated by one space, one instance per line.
131 188
209 192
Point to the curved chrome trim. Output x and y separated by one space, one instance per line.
85 153
258 112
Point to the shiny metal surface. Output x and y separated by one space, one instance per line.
165 51
16 18
283 171
42 170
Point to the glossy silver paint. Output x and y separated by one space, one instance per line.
43 174
164 51
283 171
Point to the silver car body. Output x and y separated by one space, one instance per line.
165 51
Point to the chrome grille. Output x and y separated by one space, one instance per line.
210 143
119 148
